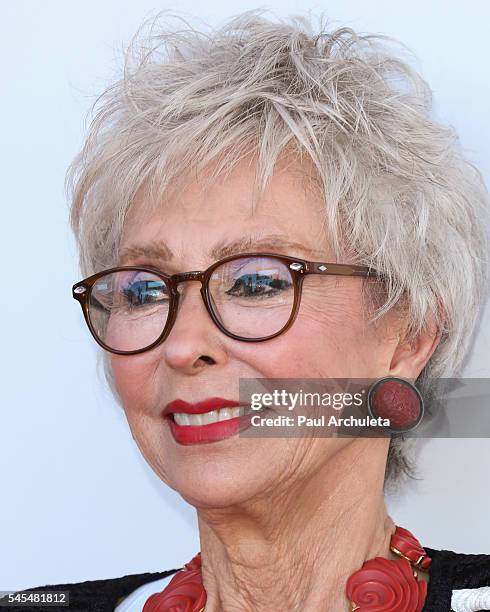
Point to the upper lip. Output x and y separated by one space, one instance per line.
206 405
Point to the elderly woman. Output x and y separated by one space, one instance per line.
264 150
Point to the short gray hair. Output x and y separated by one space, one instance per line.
399 194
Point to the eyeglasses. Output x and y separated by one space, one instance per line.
251 297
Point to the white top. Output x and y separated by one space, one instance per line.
471 600
135 601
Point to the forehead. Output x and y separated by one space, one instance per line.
204 214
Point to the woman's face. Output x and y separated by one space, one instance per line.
329 338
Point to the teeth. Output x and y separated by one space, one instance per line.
223 414
208 417
181 418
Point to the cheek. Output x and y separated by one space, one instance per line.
329 338
134 380
132 377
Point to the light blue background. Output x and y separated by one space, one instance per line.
78 502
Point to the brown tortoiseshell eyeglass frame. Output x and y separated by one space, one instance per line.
298 268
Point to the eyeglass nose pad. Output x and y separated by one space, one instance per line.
180 292
211 300
181 286
214 308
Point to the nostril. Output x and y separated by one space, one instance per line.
207 359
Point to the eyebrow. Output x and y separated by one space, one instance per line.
159 251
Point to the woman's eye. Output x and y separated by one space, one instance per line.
140 293
254 285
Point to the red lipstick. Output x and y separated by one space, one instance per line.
199 434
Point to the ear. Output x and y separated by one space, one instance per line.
412 354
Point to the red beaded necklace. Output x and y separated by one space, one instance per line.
380 584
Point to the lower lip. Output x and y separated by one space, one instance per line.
212 432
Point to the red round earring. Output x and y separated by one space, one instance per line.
398 400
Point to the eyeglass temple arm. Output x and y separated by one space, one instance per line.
318 267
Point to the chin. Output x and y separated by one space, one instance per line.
217 474
212 488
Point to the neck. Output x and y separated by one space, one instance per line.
294 549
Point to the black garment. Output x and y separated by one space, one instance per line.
448 571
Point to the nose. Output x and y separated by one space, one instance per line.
194 341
